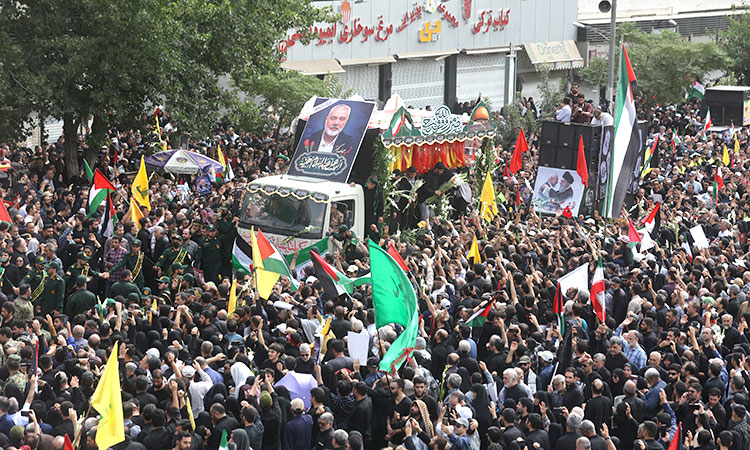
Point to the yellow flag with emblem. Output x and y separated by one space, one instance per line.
134 213
232 299
107 400
140 186
489 206
474 252
725 156
190 411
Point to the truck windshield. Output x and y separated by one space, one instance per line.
284 215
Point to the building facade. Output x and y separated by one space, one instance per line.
432 52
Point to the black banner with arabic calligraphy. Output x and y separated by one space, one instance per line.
328 146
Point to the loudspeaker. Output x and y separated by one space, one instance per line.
566 135
559 145
547 154
565 158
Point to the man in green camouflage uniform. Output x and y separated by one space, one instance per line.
24 308
209 255
54 291
134 262
81 300
16 377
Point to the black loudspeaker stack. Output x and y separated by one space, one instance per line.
559 149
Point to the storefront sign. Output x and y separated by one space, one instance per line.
352 28
430 32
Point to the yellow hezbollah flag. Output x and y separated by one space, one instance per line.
736 146
264 280
134 213
474 252
725 156
190 411
489 207
140 186
232 299
107 400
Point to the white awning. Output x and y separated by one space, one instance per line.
421 55
487 50
367 61
314 67
557 55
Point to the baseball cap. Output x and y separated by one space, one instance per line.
298 405
546 355
463 422
372 362
188 372
524 360
311 279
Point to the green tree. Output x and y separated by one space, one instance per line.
736 42
283 94
113 59
552 94
665 64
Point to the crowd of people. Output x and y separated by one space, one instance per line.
668 364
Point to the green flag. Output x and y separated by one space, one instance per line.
89 172
395 301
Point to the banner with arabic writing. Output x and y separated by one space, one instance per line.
331 139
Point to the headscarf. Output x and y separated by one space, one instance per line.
239 372
425 413
481 405
239 436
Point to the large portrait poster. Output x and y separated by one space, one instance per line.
331 139
555 189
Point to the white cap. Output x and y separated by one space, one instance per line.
546 355
188 371
311 279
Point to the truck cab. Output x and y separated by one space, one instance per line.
296 212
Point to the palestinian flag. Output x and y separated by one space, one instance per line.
557 309
708 123
649 156
480 317
273 260
633 235
627 141
107 226
226 174
718 181
223 445
597 292
697 90
328 277
100 189
242 255
397 257
4 215
676 443
651 222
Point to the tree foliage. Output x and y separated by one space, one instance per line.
115 59
665 64
552 94
281 95
736 43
